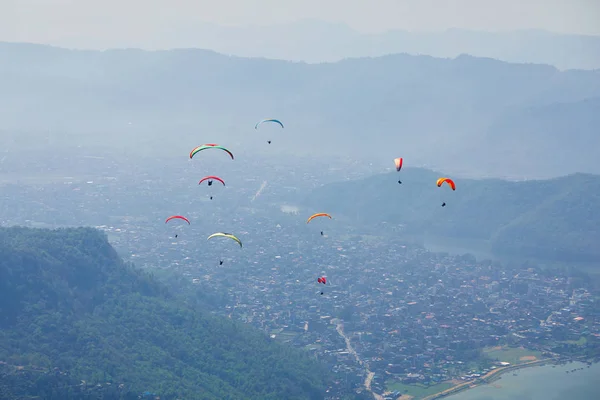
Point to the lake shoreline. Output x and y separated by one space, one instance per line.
490 377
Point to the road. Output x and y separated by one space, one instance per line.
370 375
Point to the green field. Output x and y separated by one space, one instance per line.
315 346
283 336
581 342
417 391
511 354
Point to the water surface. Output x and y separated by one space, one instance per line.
541 383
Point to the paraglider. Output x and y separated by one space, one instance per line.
220 262
227 235
198 149
322 280
318 215
268 120
178 217
398 162
210 181
449 182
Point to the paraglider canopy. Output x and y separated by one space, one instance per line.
198 149
449 181
317 215
259 123
227 235
178 217
398 163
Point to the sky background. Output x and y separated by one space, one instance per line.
93 23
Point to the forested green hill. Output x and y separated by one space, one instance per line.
554 219
72 311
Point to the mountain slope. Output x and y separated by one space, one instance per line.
433 110
563 226
553 219
566 134
67 302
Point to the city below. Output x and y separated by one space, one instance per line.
393 319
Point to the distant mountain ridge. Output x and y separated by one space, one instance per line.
461 115
316 41
554 219
303 41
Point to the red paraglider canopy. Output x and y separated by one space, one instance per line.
178 217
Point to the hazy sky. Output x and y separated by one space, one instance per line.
56 21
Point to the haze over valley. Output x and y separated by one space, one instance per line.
469 116
397 215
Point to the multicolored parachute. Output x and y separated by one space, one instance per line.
398 162
322 280
178 217
449 181
209 146
216 178
268 120
317 215
227 235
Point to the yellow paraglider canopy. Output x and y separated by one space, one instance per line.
227 235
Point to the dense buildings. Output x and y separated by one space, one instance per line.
391 307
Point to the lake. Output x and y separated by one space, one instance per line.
541 383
